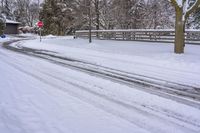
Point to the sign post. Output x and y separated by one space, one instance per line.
40 25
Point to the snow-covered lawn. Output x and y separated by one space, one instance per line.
37 96
155 60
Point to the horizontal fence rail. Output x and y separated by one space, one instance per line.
161 35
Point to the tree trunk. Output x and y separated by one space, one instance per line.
90 22
97 17
179 32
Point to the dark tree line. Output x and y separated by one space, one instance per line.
63 16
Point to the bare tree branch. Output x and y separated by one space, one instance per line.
192 8
174 3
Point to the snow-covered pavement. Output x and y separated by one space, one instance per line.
37 96
29 104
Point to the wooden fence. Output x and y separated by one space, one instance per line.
161 35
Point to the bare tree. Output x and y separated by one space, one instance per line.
26 12
7 8
183 10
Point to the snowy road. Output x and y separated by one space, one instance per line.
37 96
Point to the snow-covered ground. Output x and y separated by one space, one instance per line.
37 96
155 60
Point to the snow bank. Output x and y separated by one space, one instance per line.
28 34
55 37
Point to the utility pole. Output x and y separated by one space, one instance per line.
90 22
38 9
97 16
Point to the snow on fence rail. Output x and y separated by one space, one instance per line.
160 35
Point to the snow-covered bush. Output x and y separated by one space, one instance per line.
28 29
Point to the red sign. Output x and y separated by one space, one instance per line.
40 24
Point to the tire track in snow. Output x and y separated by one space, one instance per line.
140 111
169 90
177 92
